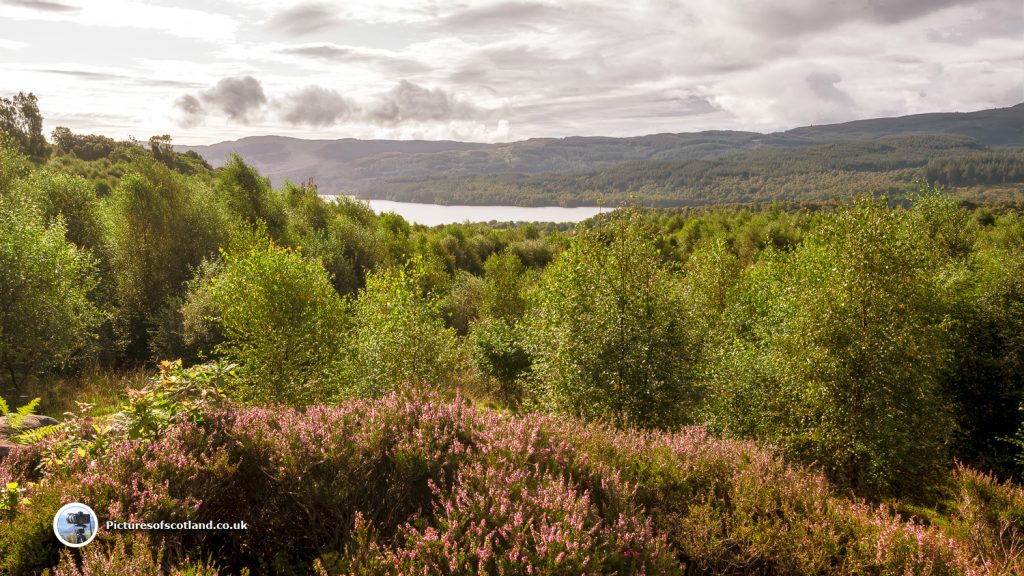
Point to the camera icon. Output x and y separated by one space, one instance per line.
75 524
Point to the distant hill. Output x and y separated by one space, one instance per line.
999 127
534 171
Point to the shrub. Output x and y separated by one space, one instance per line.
248 197
504 520
462 306
399 337
606 333
160 226
499 351
504 296
989 517
401 485
13 164
48 319
350 244
282 322
126 555
198 333
73 199
836 355
27 543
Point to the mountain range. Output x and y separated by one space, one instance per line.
527 172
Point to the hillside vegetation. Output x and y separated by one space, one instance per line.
426 485
709 390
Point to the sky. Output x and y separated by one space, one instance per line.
206 71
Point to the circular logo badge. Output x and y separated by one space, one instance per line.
75 525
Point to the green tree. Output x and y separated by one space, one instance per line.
70 197
499 350
843 361
981 289
350 244
399 337
986 369
13 164
463 305
711 277
162 149
46 316
504 292
85 147
160 225
499 342
607 334
248 196
195 333
20 119
281 319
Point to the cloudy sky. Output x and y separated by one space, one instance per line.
212 70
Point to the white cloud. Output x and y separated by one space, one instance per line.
498 69
12 44
134 14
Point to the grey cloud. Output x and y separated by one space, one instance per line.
833 104
316 106
167 83
628 107
409 101
515 68
522 56
346 54
111 77
304 19
43 5
472 74
406 102
1011 97
503 15
992 20
823 85
236 97
86 75
192 111
689 105
322 51
896 11
783 17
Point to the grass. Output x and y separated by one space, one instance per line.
104 389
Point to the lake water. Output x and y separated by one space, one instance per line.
435 214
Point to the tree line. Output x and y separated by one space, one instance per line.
819 173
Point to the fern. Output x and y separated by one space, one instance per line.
16 419
37 435
29 409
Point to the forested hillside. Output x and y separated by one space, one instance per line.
817 163
699 390
817 174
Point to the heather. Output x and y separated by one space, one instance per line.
424 484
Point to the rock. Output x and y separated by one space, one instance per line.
30 422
